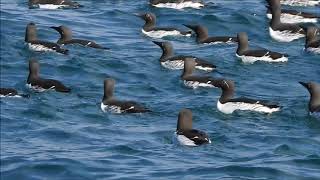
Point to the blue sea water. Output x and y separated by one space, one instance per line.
66 136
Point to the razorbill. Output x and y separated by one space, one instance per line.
203 37
185 134
39 45
227 104
312 40
281 31
314 102
170 61
111 104
251 56
10 92
195 81
150 29
39 84
66 38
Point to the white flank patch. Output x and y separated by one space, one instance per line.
300 2
314 50
51 6
15 96
112 109
196 84
177 64
182 5
221 42
182 140
161 34
284 36
294 19
252 59
38 88
39 48
204 68
230 107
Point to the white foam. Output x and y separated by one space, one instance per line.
300 2
196 84
284 36
51 6
266 58
39 47
314 50
315 114
176 64
230 107
161 34
189 4
294 19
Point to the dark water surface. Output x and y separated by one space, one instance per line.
66 136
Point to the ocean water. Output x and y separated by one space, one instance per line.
66 136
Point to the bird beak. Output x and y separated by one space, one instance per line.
193 27
140 15
157 43
55 28
304 84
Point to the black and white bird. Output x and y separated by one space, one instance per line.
10 92
251 56
312 40
227 104
185 134
195 81
39 45
292 16
281 31
53 4
39 84
300 2
150 29
203 37
111 104
170 61
177 4
314 102
66 38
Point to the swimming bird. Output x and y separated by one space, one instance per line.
251 56
195 81
185 134
301 2
111 104
66 38
38 45
203 37
10 92
293 16
177 4
53 4
227 104
314 102
39 84
150 29
312 40
283 32
170 61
